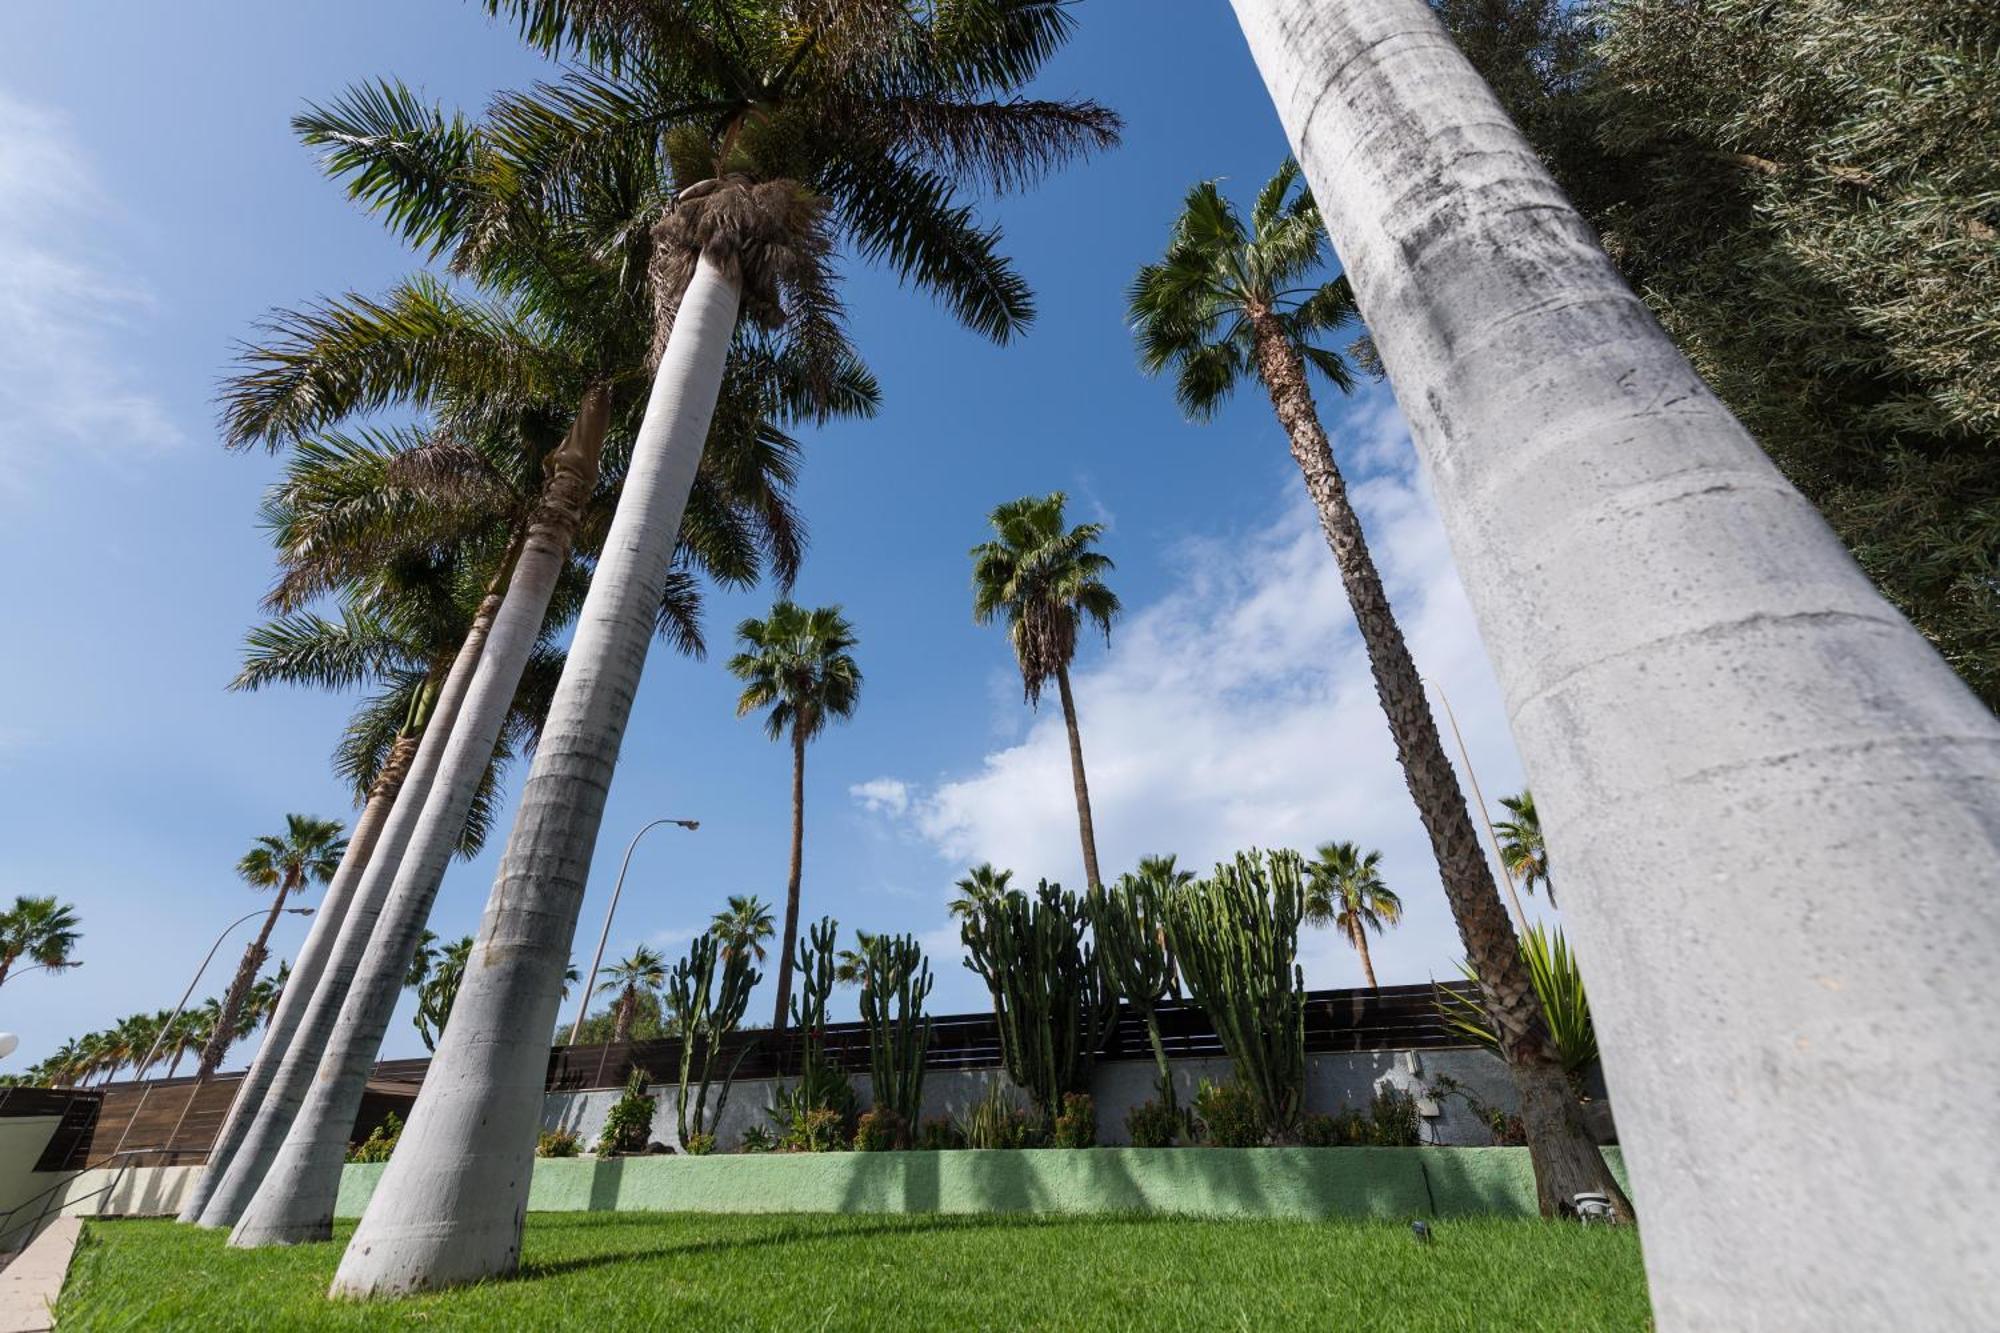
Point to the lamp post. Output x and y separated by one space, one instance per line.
1479 798
583 1008
166 1027
46 967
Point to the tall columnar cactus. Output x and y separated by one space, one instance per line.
814 971
895 981
1128 924
1054 1005
1236 936
705 1014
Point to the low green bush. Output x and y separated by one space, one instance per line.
380 1143
1076 1125
1229 1115
940 1134
699 1145
880 1130
821 1129
994 1121
559 1143
1393 1119
757 1139
1154 1124
629 1125
1345 1128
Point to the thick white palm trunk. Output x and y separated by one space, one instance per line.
297 996
288 1086
295 1202
449 1207
1738 746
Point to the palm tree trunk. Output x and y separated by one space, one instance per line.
1367 963
6 966
449 1206
1690 661
224 1036
305 976
296 1199
1566 1158
301 1059
622 1030
792 882
1085 829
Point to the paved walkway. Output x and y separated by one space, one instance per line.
29 1285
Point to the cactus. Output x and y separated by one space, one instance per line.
1054 1005
704 1017
1236 936
895 980
1130 933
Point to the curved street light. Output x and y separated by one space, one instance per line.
46 967
166 1027
583 1008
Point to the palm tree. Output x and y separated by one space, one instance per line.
437 989
1344 888
781 124
743 926
1229 301
795 664
980 888
644 971
307 852
40 929
1521 847
1045 578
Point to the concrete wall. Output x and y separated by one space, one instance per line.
1204 1182
28 1194
1332 1082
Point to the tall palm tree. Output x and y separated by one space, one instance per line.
42 930
783 124
1229 301
1043 576
644 970
978 889
1521 847
437 989
795 664
307 852
743 926
1344 888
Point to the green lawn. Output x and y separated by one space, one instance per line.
601 1271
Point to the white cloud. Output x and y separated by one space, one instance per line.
882 796
1239 711
63 308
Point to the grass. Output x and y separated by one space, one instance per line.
662 1270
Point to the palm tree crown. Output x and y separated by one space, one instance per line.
795 663
1196 310
1344 888
1521 847
39 928
743 926
308 851
1046 580
980 888
643 969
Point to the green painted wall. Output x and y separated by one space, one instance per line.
1209 1182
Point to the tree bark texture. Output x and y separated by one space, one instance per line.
1735 742
220 1040
1086 830
792 879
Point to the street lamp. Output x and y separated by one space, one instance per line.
46 967
166 1027
1479 798
583 1008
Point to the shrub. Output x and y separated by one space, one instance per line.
699 1145
1154 1125
996 1122
1076 1127
880 1130
1393 1119
940 1134
559 1143
380 1143
821 1129
630 1122
1231 1115
757 1139
1345 1128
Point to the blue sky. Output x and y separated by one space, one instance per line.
153 203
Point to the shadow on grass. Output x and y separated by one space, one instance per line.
532 1269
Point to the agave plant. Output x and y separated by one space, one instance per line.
1552 967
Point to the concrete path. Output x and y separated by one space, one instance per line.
29 1285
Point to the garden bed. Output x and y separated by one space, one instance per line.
1306 1183
633 1270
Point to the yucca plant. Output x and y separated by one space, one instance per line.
1552 967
